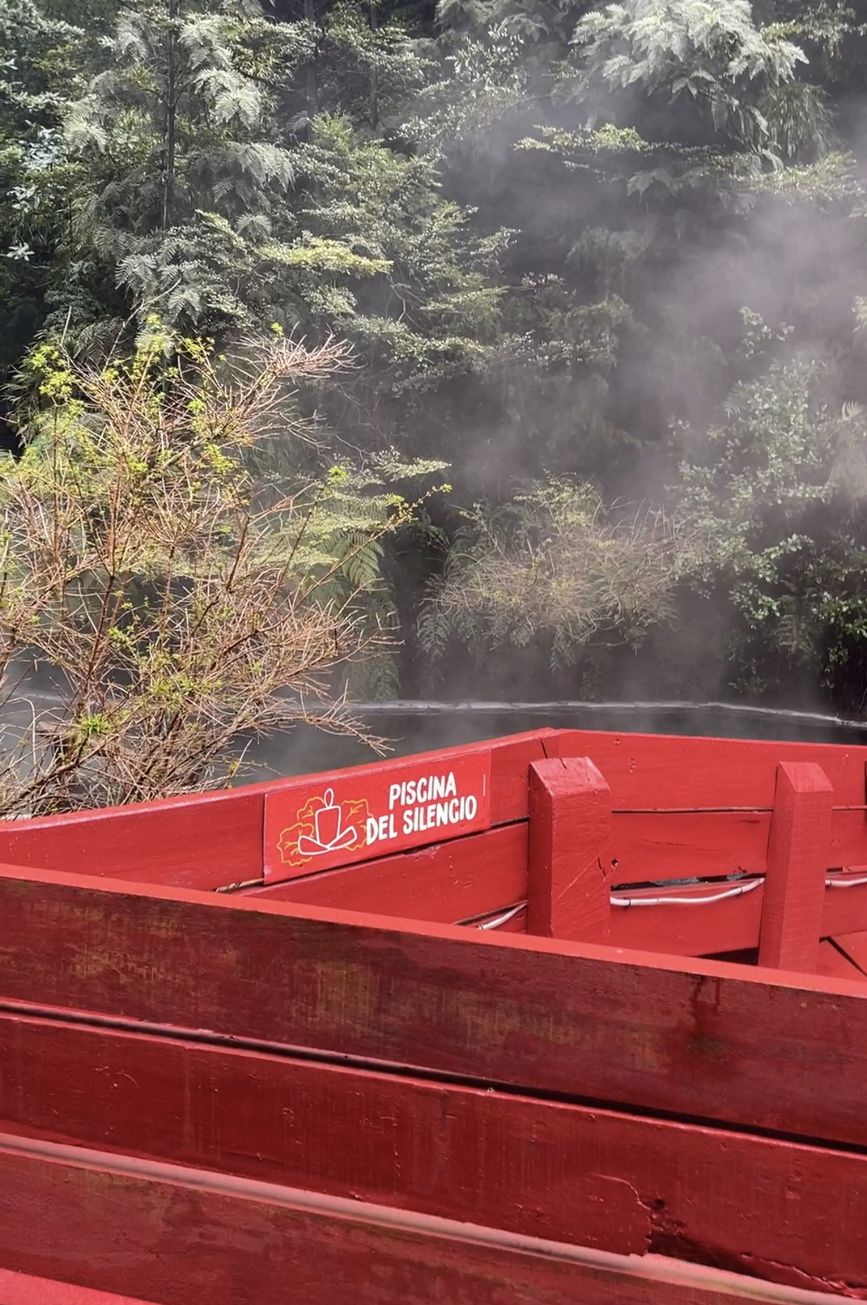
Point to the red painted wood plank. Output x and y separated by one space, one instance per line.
448 882
510 764
362 815
457 880
582 1020
215 839
23 1289
106 1221
688 930
835 963
682 845
798 856
198 842
848 837
509 760
723 926
570 858
613 1181
651 770
685 845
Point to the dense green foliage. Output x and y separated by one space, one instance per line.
605 260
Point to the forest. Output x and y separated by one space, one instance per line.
472 348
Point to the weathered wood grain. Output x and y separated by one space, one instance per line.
581 1020
105 1221
687 844
612 1181
445 883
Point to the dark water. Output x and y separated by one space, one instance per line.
423 726
420 727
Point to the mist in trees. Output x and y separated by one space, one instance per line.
605 262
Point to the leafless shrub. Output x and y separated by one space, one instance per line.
180 609
555 565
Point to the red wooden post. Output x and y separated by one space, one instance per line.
798 858
569 863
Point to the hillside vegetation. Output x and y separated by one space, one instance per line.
591 279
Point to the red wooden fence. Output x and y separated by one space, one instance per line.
214 840
179 1233
700 1039
233 1092
614 1180
666 809
355 1057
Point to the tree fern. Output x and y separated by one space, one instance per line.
223 158
707 53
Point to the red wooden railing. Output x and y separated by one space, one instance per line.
246 1093
232 1242
423 1068
789 819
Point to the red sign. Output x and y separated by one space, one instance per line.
356 816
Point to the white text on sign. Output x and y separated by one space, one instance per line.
414 806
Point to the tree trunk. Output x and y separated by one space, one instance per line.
374 74
170 129
312 81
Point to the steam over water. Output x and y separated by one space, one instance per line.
422 727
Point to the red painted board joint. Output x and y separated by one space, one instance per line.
569 870
799 852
